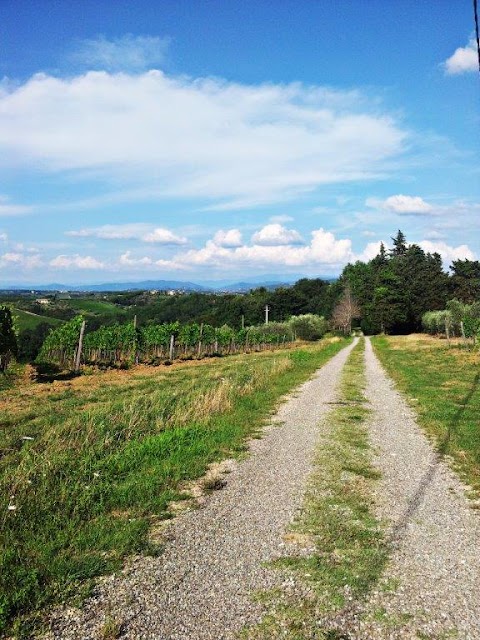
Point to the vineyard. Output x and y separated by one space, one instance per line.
124 344
458 319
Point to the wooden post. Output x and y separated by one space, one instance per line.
462 329
200 341
135 339
172 347
78 355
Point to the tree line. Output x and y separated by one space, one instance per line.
395 289
390 293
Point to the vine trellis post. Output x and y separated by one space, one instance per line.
78 354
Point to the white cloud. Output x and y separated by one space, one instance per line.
324 251
281 219
135 231
276 234
127 261
408 205
3 237
448 253
230 238
8 208
112 231
161 136
435 234
76 262
464 59
371 250
129 52
163 236
19 260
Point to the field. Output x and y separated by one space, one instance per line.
92 464
95 307
441 383
28 320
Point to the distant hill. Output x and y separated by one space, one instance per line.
245 287
269 282
161 285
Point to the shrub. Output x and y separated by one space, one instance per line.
308 326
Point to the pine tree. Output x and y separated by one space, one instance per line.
399 244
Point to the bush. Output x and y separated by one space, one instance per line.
308 326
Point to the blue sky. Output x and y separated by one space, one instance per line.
225 139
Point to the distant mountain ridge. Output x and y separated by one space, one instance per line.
270 282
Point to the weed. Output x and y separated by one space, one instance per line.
213 483
111 629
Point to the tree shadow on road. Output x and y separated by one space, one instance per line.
398 531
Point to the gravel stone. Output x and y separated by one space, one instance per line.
431 588
201 586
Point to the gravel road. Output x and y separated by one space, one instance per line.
431 588
201 585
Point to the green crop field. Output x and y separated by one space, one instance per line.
28 320
96 307
442 383
90 464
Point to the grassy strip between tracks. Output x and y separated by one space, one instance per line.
442 384
341 548
89 465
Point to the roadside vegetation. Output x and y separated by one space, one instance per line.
342 551
91 464
442 384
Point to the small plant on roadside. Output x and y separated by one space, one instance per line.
111 629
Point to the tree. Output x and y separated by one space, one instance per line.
345 311
399 244
8 338
466 280
30 341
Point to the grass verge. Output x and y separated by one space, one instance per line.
89 465
344 552
442 384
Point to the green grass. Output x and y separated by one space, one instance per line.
337 520
12 376
442 384
95 307
106 454
27 320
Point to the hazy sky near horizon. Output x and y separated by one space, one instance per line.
225 139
